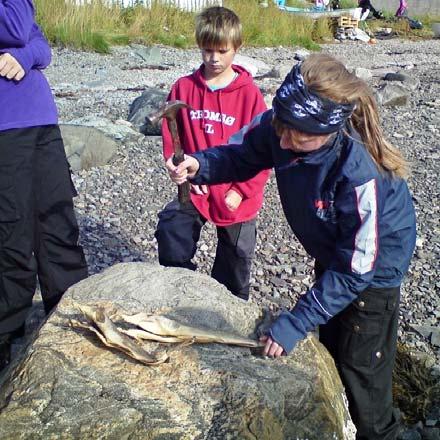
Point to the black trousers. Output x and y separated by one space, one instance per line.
178 232
38 228
362 340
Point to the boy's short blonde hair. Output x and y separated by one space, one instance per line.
217 27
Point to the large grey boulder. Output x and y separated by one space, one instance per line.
69 386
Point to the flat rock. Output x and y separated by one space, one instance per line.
87 147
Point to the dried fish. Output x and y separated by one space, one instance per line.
162 326
142 335
152 328
109 334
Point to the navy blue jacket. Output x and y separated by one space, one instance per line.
356 221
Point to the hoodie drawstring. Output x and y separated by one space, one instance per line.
202 119
219 99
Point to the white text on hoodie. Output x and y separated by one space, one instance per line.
212 116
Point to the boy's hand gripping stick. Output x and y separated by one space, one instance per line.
169 111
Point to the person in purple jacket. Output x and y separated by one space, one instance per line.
38 228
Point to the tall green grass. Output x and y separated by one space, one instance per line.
97 26
90 26
346 4
272 27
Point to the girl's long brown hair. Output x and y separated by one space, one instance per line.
329 78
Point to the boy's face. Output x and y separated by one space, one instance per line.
217 60
300 142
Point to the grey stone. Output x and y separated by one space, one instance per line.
429 332
256 67
435 337
410 434
68 385
143 107
86 147
391 94
407 80
278 282
381 72
281 71
119 130
151 55
430 434
363 73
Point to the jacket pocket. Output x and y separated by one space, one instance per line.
359 338
365 323
362 323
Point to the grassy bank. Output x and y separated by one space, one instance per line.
96 26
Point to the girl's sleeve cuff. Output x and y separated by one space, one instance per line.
284 331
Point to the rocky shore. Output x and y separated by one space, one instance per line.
118 203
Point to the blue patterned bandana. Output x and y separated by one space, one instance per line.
296 106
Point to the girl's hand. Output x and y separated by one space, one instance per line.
233 200
271 348
184 171
10 68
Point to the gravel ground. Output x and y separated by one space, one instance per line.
118 203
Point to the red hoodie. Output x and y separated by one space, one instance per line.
215 116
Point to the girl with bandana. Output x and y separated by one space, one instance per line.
344 194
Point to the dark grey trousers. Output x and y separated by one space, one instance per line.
178 232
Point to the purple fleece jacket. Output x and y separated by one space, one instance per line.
28 102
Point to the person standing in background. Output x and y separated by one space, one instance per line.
223 98
367 7
38 227
402 10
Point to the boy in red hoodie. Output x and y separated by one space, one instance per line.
223 99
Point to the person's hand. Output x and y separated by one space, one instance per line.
186 170
10 68
271 348
233 200
199 189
